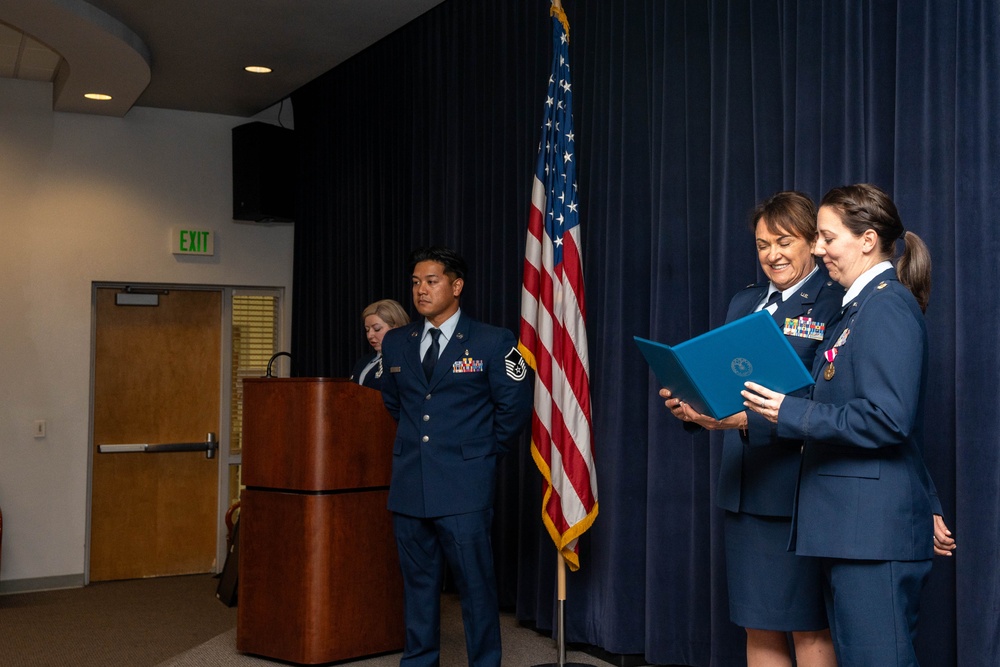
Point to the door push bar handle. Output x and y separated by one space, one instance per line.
210 446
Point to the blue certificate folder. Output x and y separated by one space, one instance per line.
709 370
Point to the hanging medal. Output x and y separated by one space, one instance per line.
832 353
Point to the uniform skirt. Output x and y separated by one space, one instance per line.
770 588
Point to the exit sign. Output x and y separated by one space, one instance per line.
192 241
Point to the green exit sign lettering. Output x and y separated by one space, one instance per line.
192 241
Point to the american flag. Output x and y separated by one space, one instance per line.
553 336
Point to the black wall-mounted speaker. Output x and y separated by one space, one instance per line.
263 173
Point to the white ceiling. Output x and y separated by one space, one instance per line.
187 54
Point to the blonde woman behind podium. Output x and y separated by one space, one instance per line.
378 317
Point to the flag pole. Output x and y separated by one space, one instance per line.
561 614
553 337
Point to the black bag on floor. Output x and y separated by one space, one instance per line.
226 592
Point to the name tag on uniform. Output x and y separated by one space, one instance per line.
804 327
467 365
393 369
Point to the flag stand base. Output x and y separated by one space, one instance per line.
561 619
562 645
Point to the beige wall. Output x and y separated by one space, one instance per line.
83 199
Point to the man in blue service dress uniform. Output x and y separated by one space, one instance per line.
459 391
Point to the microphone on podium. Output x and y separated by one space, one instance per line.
271 361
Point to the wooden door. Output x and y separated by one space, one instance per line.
156 380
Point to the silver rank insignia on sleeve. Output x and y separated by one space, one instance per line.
517 370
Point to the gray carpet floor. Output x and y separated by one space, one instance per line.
522 647
178 622
136 623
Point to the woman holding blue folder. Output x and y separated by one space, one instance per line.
866 511
771 591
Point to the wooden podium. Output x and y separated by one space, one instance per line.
319 576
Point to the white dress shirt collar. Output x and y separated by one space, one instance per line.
785 293
864 279
447 331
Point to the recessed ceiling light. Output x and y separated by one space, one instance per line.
257 69
97 96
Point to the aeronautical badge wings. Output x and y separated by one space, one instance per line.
517 370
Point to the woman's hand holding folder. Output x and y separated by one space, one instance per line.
763 400
685 413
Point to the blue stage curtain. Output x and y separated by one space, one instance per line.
687 114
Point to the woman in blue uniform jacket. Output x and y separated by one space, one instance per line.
378 317
866 508
771 591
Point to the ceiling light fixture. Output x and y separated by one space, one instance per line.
97 96
257 69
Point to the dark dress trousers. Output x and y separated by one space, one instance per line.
865 499
452 429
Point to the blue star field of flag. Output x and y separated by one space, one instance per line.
556 168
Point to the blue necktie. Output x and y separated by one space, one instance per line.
431 356
773 299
